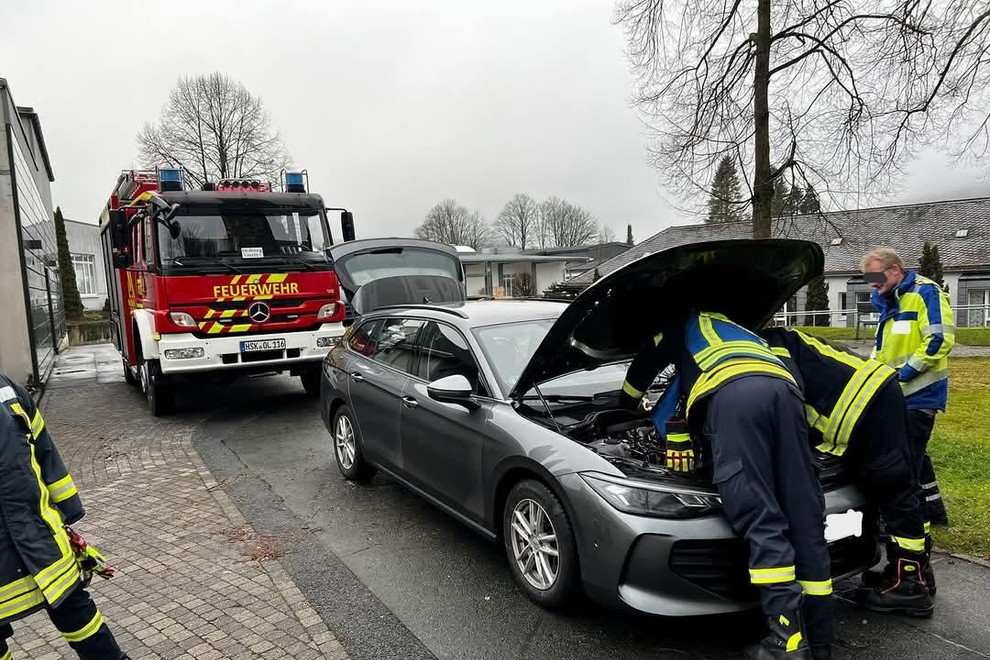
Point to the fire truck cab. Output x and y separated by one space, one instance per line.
230 280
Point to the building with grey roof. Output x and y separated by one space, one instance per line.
960 229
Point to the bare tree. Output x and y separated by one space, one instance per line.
606 234
830 93
563 224
214 128
449 222
516 221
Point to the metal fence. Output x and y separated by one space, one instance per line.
967 316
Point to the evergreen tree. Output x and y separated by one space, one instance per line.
792 202
817 302
931 264
723 202
779 197
810 202
70 290
629 236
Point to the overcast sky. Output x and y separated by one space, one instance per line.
390 105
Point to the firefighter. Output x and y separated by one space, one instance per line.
747 405
856 411
38 567
915 334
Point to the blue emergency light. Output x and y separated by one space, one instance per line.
295 182
169 180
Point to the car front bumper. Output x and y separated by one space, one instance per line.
687 567
224 351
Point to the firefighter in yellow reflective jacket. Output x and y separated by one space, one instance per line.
38 567
915 334
742 399
856 411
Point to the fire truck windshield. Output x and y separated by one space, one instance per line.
244 235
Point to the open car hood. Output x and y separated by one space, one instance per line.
747 280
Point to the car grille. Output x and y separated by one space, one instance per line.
722 567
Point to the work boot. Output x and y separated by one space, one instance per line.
873 578
785 639
902 589
821 652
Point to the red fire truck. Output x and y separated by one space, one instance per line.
230 280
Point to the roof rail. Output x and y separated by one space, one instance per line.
435 308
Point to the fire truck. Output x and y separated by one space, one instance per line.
229 280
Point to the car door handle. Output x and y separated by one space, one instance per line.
356 376
410 402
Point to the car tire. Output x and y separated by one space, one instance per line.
548 579
310 379
160 396
346 447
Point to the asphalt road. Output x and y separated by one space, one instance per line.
396 578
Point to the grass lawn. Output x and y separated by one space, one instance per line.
960 451
964 336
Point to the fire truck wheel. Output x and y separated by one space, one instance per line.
311 382
161 398
128 374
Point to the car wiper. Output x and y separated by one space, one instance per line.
231 268
297 260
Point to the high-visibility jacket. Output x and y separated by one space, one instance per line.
914 336
838 385
37 499
709 351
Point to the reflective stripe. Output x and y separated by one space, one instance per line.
816 587
63 584
776 575
932 498
928 528
86 631
21 604
911 545
17 588
922 381
62 489
931 484
679 441
20 412
657 338
830 351
7 656
856 396
939 329
781 351
711 380
37 424
793 642
631 391
917 363
708 357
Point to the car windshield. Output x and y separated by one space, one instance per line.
391 262
607 378
509 347
244 235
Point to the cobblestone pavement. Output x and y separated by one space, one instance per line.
194 581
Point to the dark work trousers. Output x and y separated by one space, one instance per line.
920 424
763 468
80 623
881 456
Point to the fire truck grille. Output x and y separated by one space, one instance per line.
259 356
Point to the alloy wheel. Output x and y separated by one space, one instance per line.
534 544
343 441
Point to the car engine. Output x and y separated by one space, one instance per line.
626 439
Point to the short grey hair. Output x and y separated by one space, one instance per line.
886 256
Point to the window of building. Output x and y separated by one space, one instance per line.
85 267
979 308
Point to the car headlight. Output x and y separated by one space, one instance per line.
649 499
182 319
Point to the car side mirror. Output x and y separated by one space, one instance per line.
453 389
122 260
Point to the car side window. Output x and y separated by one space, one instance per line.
396 343
444 352
362 340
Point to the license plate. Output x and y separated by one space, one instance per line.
262 345
843 525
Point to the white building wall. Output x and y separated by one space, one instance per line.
15 347
547 274
84 239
